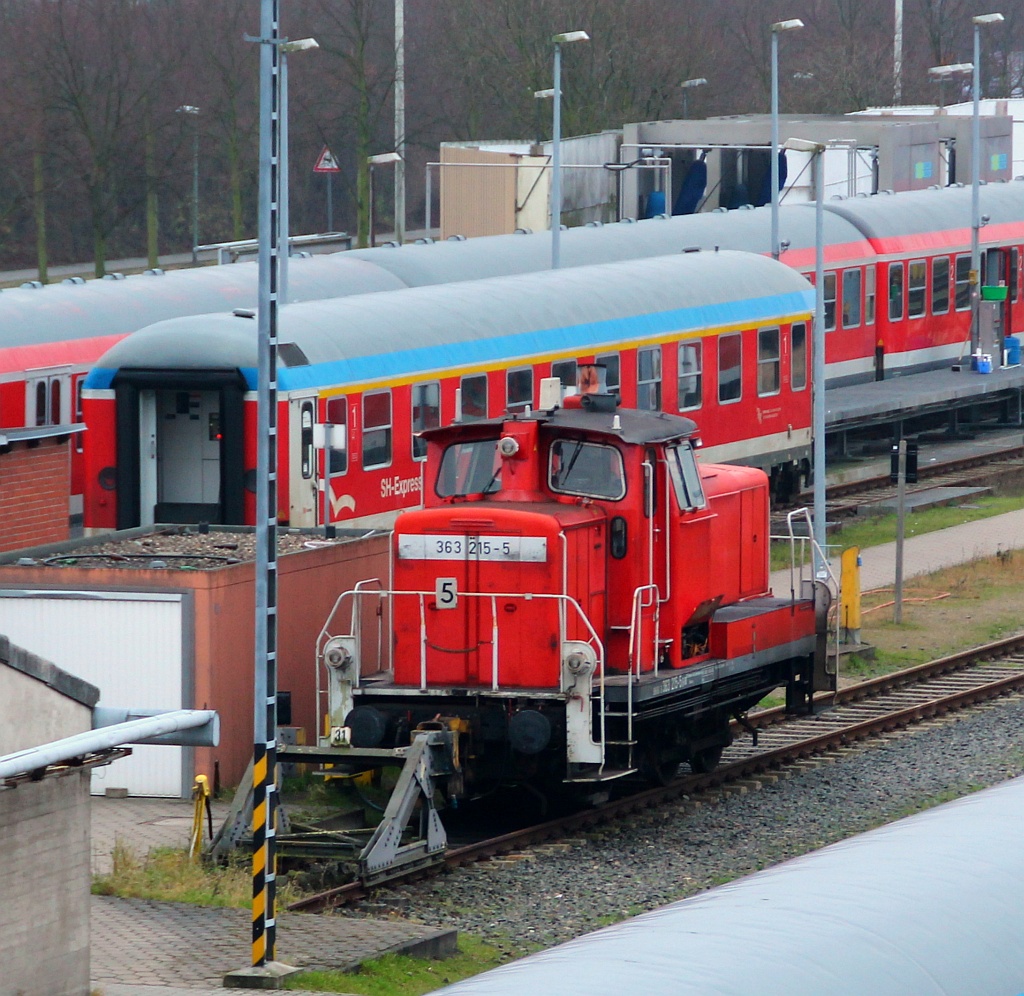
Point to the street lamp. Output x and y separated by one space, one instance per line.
194 111
688 85
940 74
284 222
381 159
777 28
978 21
816 149
559 40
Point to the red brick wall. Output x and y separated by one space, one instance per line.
35 482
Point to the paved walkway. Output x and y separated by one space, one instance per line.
147 948
932 551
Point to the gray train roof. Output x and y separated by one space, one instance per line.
928 905
374 336
62 312
845 221
919 211
488 256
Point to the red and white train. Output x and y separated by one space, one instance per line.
724 333
578 600
170 411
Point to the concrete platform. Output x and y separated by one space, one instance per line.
148 948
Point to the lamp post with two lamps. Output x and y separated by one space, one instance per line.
193 112
777 28
559 40
381 159
979 21
686 86
940 74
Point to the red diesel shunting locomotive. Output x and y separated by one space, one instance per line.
578 600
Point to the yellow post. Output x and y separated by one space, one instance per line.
849 595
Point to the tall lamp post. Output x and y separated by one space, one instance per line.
817 150
192 110
284 242
400 121
777 28
559 40
978 21
687 86
940 74
382 159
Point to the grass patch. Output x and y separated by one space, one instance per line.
399 975
169 874
874 530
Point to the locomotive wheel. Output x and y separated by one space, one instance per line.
659 765
703 761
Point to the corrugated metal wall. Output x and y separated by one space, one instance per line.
130 645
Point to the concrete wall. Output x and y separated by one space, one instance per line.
44 882
44 826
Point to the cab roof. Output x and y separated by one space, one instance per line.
624 424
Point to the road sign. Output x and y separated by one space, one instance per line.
326 163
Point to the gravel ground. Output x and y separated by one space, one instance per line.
560 891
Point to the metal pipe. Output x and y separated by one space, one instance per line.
136 731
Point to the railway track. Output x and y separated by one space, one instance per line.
847 498
859 712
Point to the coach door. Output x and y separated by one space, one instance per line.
304 498
188 436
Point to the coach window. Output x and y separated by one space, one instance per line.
830 301
648 379
895 292
565 371
376 429
730 355
426 414
1014 271
799 358
337 415
612 379
962 284
474 397
42 396
768 362
851 298
519 389
690 393
917 287
869 295
940 285
306 450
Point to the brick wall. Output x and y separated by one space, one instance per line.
44 882
35 482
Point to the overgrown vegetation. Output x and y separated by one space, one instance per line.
399 975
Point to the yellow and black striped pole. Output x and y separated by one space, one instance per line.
264 861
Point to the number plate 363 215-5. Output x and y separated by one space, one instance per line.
527 549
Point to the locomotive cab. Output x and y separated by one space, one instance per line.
579 598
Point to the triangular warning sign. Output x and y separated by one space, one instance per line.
326 163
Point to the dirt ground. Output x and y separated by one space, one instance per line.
952 610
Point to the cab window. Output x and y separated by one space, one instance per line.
470 468
593 470
686 483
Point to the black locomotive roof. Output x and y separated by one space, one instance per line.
626 424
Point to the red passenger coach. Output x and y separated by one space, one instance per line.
579 600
